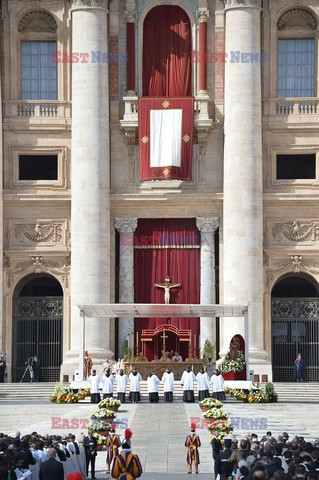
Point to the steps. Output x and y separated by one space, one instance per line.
287 392
301 392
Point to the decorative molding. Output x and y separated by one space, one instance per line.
296 231
38 21
125 225
242 3
297 19
130 11
293 264
89 3
203 14
207 224
39 232
60 267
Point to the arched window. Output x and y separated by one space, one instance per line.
296 54
38 31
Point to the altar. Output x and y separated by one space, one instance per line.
144 368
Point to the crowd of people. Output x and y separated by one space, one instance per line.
249 458
267 458
189 379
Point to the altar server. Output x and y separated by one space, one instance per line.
135 382
187 380
202 380
107 384
127 465
94 387
192 443
112 444
152 385
217 382
168 381
121 381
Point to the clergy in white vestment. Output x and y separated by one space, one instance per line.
217 382
135 382
168 381
202 380
107 384
152 386
121 380
187 380
94 387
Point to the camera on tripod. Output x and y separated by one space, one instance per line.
29 369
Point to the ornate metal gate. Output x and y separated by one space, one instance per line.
37 330
295 328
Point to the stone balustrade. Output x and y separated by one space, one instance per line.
37 108
291 106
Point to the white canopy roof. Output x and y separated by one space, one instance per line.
145 310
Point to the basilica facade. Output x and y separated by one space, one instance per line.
159 144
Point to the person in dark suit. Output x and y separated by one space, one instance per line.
300 369
216 448
223 466
90 446
2 368
37 369
51 469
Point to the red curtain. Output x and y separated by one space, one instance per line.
145 105
152 265
167 45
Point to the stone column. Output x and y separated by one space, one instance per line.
130 47
126 227
207 228
202 50
243 204
90 203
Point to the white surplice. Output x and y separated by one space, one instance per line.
152 384
107 384
168 381
121 382
217 382
135 381
187 380
202 380
94 381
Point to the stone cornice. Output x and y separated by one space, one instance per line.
89 3
242 3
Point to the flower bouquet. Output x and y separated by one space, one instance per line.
219 425
209 403
104 414
99 426
100 441
229 365
215 413
110 403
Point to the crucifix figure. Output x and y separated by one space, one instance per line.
167 286
164 337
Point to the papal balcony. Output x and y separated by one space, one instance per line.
291 112
21 114
129 123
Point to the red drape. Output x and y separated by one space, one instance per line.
183 172
152 265
167 48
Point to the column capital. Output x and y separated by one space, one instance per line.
207 224
203 14
89 3
242 3
125 225
130 11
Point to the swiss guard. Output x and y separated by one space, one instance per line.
192 443
127 465
112 444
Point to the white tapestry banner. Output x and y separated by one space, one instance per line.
165 138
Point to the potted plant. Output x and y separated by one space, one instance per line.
110 404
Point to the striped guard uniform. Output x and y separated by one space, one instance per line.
112 444
126 466
192 443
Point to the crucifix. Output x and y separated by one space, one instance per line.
164 337
167 286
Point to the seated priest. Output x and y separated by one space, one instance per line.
141 358
155 359
177 357
166 357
